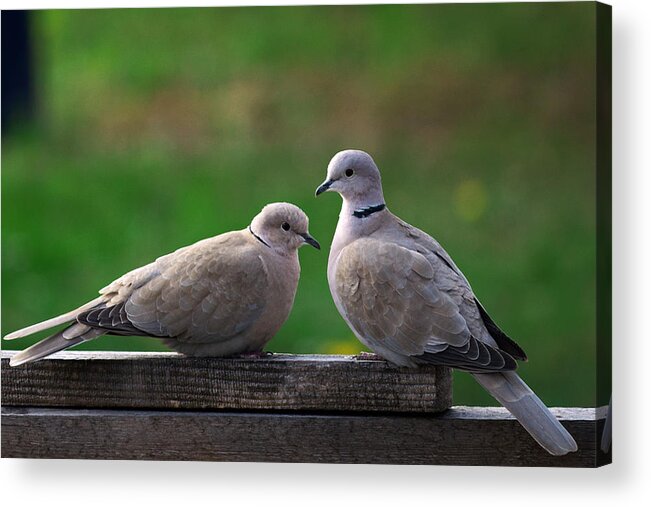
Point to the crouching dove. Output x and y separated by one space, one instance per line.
221 296
405 299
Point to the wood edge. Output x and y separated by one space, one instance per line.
502 414
458 413
107 355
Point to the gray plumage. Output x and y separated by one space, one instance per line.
405 299
221 296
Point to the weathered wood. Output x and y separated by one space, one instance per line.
172 381
322 409
461 436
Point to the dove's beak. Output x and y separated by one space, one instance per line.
311 241
324 186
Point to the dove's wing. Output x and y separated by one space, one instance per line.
210 291
452 281
398 301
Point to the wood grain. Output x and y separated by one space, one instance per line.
460 436
171 381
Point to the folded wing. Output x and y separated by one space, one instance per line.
395 298
188 295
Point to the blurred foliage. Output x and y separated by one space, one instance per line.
158 128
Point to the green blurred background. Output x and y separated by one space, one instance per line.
157 128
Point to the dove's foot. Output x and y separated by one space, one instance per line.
255 355
367 356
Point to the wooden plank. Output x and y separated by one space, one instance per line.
461 436
172 381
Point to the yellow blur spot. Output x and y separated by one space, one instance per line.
346 348
471 199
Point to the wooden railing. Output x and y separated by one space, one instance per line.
281 408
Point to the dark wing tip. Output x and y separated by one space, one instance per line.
488 360
113 319
504 342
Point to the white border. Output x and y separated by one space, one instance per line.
70 483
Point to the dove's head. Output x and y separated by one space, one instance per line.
283 227
354 175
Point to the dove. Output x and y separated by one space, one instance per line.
221 296
403 296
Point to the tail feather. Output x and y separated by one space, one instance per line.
511 391
78 333
47 324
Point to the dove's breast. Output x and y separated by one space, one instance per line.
283 273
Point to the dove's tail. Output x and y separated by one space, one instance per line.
47 324
72 335
64 339
511 391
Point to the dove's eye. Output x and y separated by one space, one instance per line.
349 173
285 226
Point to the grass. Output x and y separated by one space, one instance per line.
158 128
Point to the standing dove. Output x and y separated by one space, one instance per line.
221 296
405 299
